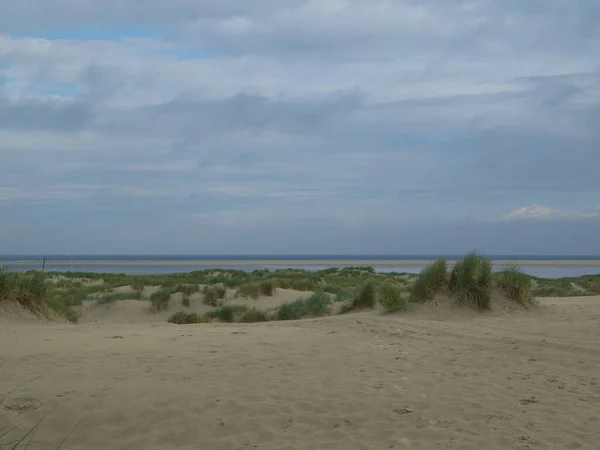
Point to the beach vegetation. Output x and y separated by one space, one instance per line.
515 284
470 282
392 299
431 280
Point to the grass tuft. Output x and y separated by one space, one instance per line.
267 287
160 299
515 284
470 281
366 298
254 315
391 298
227 314
315 305
250 290
431 280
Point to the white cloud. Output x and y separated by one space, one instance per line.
539 212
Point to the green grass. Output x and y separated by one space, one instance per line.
227 313
515 284
391 298
250 290
214 294
105 299
187 289
315 305
160 299
267 287
33 292
254 315
470 282
62 293
431 280
28 289
366 298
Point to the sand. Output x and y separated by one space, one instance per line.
432 379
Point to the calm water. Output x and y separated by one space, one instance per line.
64 264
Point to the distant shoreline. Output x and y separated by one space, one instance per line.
301 262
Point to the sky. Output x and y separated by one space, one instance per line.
300 126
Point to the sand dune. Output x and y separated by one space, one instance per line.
435 378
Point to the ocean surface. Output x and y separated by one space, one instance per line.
144 264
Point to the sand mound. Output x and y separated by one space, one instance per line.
15 313
358 381
132 311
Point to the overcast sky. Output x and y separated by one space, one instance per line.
296 126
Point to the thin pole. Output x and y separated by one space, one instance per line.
44 262
71 259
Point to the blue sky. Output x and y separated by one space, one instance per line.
300 126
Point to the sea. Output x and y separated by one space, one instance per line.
164 264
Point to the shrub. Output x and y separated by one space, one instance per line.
471 281
186 289
254 315
391 298
213 295
137 285
112 297
314 306
250 290
515 284
28 289
187 318
160 299
267 287
366 297
345 294
185 300
226 313
429 282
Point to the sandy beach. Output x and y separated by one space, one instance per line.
304 262
434 378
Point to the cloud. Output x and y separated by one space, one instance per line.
538 212
350 113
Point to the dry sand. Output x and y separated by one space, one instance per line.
432 379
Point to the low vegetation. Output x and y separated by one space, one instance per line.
430 281
315 305
160 299
515 284
470 282
392 299
235 295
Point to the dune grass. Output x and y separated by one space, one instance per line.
392 299
430 281
227 313
250 290
357 288
470 282
214 294
315 305
160 299
254 315
515 284
31 291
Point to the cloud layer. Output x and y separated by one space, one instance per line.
188 122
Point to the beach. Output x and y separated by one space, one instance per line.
434 378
